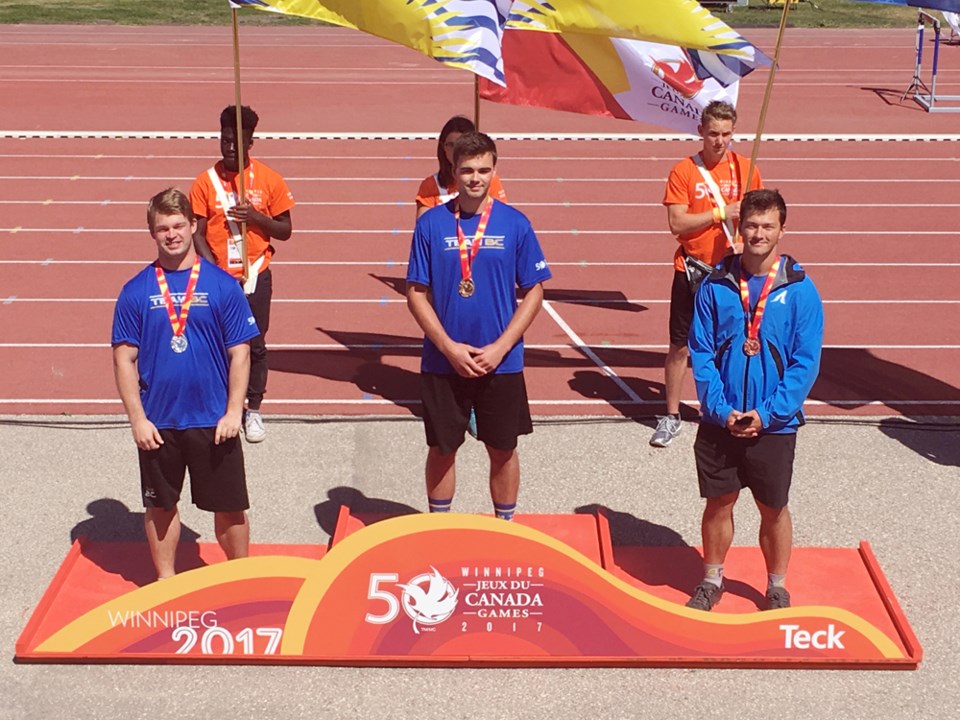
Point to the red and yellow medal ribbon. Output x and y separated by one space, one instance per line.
178 323
468 254
753 326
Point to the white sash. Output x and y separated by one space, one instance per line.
442 195
235 244
726 224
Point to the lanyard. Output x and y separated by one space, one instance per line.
751 345
467 256
178 324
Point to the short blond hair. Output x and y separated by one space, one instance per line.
171 201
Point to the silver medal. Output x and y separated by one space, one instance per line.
178 343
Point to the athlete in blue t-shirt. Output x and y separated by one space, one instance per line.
467 260
181 359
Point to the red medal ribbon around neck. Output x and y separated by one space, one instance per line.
178 324
753 326
467 256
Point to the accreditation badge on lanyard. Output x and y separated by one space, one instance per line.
227 200
751 346
178 343
467 286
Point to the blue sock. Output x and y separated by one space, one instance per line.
440 505
504 512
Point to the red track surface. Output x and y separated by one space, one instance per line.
72 216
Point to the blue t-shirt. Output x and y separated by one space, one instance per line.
509 257
188 389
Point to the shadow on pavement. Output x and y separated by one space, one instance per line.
112 522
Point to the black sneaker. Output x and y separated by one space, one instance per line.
777 597
706 595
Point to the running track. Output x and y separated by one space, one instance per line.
105 117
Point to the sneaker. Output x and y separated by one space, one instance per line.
668 427
705 596
253 426
472 424
777 597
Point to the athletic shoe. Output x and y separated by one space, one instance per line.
253 426
668 427
706 595
472 424
777 597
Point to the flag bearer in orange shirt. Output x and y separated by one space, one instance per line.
221 217
703 206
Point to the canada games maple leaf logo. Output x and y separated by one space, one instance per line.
429 605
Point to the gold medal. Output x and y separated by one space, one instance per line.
466 288
751 346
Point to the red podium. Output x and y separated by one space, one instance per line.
466 590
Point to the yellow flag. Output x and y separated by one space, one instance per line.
672 22
468 33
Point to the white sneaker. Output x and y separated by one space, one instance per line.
253 426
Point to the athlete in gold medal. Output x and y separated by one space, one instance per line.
466 304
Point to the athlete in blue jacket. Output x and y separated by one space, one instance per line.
755 345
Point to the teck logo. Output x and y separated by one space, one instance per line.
829 639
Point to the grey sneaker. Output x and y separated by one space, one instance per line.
705 596
777 597
253 426
668 427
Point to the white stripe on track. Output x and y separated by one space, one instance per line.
348 135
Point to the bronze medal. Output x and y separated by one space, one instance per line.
751 346
465 288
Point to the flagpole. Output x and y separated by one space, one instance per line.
476 101
239 140
766 95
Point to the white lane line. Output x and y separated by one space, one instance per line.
395 179
582 347
535 402
13 299
386 347
404 203
402 263
432 135
574 232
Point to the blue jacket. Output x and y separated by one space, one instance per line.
774 382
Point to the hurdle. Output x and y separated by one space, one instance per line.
926 95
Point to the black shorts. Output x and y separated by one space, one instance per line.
681 309
727 464
499 402
218 482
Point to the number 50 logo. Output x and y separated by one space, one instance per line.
428 599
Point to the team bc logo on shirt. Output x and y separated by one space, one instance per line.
200 299
489 242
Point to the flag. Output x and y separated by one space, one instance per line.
468 33
659 84
674 22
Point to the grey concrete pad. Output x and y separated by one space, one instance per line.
892 482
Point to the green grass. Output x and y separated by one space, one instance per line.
133 12
827 13
821 14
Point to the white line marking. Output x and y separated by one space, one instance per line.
582 347
546 403
348 135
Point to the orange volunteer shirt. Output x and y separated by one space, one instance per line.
685 186
429 194
265 189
